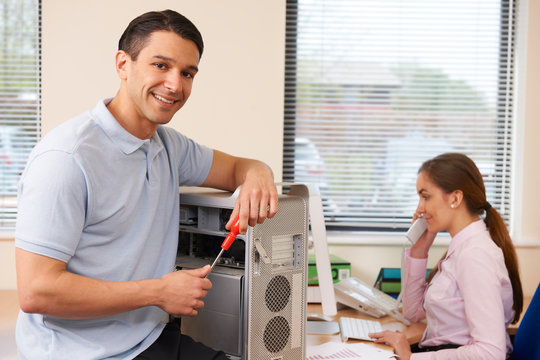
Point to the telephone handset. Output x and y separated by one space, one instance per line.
416 230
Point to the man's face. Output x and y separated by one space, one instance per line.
159 81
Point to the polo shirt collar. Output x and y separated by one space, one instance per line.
127 142
467 233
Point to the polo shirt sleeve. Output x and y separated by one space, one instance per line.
194 160
52 206
195 167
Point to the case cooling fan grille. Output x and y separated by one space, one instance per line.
277 295
277 331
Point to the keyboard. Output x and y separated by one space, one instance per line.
358 328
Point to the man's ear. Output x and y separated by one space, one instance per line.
121 60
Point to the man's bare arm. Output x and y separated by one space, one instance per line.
46 287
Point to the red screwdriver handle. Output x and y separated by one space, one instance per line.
235 229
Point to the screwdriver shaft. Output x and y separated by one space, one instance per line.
215 262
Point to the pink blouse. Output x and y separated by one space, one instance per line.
469 301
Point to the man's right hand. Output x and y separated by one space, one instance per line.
46 287
183 291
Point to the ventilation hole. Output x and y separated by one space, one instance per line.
277 293
276 334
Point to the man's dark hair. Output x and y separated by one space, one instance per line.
139 29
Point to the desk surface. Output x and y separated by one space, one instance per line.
513 327
413 332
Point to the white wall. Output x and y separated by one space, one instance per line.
7 265
238 91
237 100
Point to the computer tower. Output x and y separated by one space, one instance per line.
256 308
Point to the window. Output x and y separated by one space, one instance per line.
374 88
19 97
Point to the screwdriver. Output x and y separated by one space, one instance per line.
235 229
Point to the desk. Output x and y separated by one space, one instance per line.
513 327
413 332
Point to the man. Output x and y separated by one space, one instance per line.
97 230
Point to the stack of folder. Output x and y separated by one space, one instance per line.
341 269
389 281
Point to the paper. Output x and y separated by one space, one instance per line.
338 350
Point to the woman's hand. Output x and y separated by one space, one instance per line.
421 248
396 340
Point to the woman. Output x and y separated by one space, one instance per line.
474 292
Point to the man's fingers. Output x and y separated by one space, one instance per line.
204 270
200 272
199 305
273 209
254 211
254 205
263 208
199 276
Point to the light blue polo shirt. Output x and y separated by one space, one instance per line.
106 203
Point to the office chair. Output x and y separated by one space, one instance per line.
527 338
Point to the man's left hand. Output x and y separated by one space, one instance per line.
257 200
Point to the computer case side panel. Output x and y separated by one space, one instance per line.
257 307
276 296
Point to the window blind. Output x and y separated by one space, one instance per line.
19 97
374 88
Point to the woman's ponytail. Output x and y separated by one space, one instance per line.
500 236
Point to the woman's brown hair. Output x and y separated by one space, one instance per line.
455 171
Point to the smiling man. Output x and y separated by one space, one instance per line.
97 230
156 82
